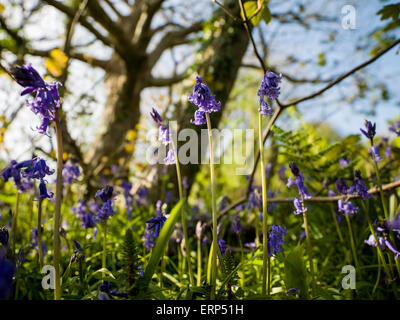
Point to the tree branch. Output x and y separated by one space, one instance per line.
150 81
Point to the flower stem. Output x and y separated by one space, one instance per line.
183 216
104 257
378 177
266 259
313 283
39 233
57 209
352 244
198 262
214 212
14 223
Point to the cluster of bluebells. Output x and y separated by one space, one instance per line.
270 89
46 100
383 234
222 246
84 212
26 171
164 136
275 240
106 210
70 172
154 226
206 103
358 187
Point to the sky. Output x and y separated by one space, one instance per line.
334 106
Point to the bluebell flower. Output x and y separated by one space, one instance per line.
43 194
299 181
370 131
70 172
7 271
374 154
199 118
298 207
236 226
270 89
348 208
343 162
342 187
142 195
164 136
275 240
222 246
78 253
105 194
202 98
148 239
88 220
34 242
157 222
46 100
105 212
170 158
360 187
156 117
127 186
107 288
141 272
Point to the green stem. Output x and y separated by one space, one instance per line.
39 233
313 283
214 212
198 262
378 177
266 260
104 257
183 216
352 244
242 256
57 210
14 223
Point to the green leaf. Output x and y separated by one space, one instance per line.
159 248
251 7
296 272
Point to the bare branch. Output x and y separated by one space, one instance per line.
150 81
171 39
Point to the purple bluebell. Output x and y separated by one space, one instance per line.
141 272
46 100
292 291
126 187
105 212
343 162
299 181
142 196
254 198
70 172
158 222
223 203
105 194
342 187
7 271
360 187
275 240
222 246
270 89
107 288
236 225
374 154
148 239
298 207
348 208
199 118
156 117
370 131
282 173
202 98
88 220
170 158
78 253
